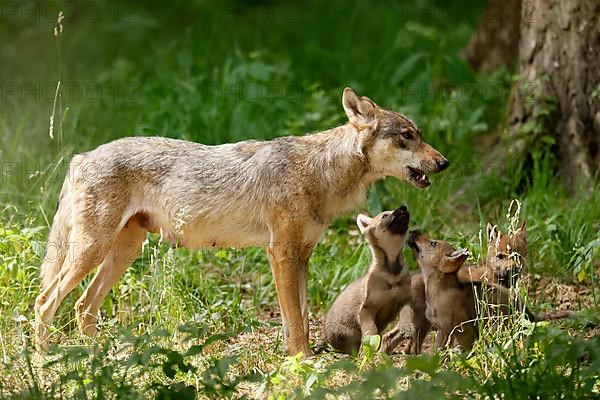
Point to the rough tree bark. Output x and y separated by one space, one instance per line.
559 67
559 83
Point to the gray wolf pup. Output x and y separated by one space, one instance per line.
370 303
450 304
506 256
279 194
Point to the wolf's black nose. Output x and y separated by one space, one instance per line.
415 233
400 211
443 164
412 239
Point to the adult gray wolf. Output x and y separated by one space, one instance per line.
280 194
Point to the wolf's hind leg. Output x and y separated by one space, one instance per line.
467 337
443 338
420 331
85 254
390 340
56 249
126 248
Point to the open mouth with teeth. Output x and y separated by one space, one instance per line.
418 177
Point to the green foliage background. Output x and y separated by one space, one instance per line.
217 72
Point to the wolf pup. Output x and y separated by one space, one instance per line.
505 260
369 304
506 255
450 304
279 194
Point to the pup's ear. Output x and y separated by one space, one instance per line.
363 222
454 260
359 109
492 232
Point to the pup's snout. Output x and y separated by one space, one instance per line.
415 233
442 164
399 211
399 221
412 240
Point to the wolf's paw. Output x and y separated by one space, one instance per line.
86 321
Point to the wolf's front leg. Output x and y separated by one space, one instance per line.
366 319
287 269
303 284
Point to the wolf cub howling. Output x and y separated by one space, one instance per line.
369 304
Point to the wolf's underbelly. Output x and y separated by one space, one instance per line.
201 224
204 234
209 235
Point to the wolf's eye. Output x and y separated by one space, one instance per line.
384 216
433 244
407 136
500 256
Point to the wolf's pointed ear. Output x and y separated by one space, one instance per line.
492 232
359 109
454 260
363 222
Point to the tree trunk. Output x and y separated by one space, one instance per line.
496 41
558 93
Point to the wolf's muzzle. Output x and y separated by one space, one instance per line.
412 240
399 221
442 164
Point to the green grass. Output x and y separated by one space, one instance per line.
217 72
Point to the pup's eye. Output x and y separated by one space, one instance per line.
407 136
384 216
500 256
433 244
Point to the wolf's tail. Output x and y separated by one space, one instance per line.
58 240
